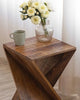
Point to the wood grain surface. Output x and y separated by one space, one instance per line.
46 64
35 71
16 96
28 87
38 62
35 50
54 74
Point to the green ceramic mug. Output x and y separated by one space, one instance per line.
19 37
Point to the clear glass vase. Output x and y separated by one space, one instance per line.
44 33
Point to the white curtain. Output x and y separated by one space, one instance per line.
10 20
70 80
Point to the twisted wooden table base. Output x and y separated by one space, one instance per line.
37 66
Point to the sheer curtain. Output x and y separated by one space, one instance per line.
10 20
70 80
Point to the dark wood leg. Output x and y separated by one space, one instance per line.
53 66
16 96
19 72
28 87
57 70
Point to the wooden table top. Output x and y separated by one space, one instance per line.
34 50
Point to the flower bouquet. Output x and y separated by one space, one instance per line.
38 12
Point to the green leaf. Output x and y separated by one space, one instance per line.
49 10
23 12
45 3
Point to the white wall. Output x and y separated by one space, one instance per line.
10 20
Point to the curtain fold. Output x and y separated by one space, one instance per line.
69 83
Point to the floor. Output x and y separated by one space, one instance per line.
7 85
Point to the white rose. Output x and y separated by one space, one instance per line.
35 20
36 4
31 11
42 8
23 5
45 15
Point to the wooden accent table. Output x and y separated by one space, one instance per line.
37 66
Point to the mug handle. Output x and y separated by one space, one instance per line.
11 36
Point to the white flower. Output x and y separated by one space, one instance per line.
31 11
29 3
49 6
23 11
45 15
22 16
42 8
25 16
23 5
37 13
35 20
36 4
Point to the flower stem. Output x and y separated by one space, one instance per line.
43 22
45 30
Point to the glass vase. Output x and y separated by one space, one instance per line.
44 33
